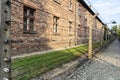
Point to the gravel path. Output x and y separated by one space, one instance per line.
105 65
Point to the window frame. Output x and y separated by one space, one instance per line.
28 28
55 24
70 5
70 28
79 12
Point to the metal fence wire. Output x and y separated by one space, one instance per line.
25 40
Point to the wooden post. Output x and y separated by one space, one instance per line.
90 43
5 41
101 37
90 49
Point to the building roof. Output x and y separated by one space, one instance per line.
89 9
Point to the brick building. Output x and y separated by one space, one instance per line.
39 25
85 19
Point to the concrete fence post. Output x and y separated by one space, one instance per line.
90 43
5 40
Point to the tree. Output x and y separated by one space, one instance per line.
116 30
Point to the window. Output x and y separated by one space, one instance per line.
55 24
79 12
85 30
70 27
28 20
85 15
70 4
79 31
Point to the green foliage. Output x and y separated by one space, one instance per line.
33 66
114 28
118 30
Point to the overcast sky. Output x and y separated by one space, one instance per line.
108 9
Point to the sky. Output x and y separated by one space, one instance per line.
108 9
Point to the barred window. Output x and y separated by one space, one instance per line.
55 24
79 12
28 26
85 30
79 31
70 27
70 4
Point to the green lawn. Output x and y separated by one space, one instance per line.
30 67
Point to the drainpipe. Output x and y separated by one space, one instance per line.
76 28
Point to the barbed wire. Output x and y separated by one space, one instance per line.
94 10
66 27
18 71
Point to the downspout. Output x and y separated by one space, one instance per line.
76 33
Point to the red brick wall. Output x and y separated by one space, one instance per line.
45 39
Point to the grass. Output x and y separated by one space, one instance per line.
33 66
